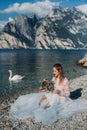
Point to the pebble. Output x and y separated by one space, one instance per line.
76 122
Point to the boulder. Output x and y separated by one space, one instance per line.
83 61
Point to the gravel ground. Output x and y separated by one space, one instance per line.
76 122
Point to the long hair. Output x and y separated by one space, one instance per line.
60 70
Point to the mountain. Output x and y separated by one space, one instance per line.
61 28
19 33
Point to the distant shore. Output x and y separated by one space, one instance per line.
76 122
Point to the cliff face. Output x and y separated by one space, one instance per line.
62 28
19 33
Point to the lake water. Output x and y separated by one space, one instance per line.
35 65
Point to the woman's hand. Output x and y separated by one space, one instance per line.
42 89
57 91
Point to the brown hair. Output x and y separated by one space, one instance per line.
60 70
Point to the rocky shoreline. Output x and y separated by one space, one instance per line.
76 122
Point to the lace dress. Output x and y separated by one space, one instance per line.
53 98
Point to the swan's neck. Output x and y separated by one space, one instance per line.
10 75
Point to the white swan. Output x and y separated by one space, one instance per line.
15 77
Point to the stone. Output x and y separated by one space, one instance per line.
76 122
83 61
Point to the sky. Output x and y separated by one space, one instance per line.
9 9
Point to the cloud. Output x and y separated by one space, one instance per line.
82 8
3 23
41 8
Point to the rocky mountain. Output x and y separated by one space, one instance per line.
61 28
19 33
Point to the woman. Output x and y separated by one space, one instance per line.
61 88
57 103
32 105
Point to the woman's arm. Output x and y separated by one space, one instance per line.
66 89
42 89
57 91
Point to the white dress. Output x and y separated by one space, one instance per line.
58 98
27 106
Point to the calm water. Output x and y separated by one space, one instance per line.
36 65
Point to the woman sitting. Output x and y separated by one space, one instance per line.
61 88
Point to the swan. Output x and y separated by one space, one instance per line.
15 77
